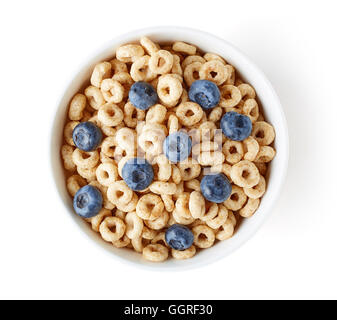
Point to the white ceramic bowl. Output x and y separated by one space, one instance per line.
272 110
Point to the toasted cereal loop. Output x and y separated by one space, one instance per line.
123 242
168 202
155 252
192 72
197 205
110 223
68 132
169 90
159 239
225 231
190 59
161 62
87 173
110 114
119 193
149 207
158 223
189 169
189 113
97 220
185 48
232 218
131 206
215 114
213 56
148 45
125 80
263 133
180 218
214 71
67 155
140 70
203 236
75 183
101 71
265 154
231 74
193 184
251 148
106 173
249 209
245 174
219 219
126 138
134 225
237 199
211 158
85 159
156 114
106 203
77 106
176 68
94 96
257 191
148 233
112 90
230 96
118 66
184 254
151 141
108 146
160 187
233 151
132 115
247 91
251 109
129 52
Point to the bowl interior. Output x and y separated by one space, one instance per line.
272 111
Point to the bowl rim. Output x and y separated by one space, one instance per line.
189 32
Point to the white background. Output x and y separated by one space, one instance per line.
43 255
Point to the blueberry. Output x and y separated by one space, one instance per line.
205 93
137 174
179 237
236 126
88 201
216 187
142 95
87 136
177 146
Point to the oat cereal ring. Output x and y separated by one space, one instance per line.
215 71
101 71
106 203
161 187
125 80
134 225
204 146
122 242
67 155
148 45
148 233
189 169
155 253
190 59
265 154
119 193
230 96
173 124
149 206
262 167
120 214
152 126
169 90
176 68
129 52
225 231
189 113
215 115
257 191
75 183
184 254
184 48
87 173
156 114
159 239
231 74
180 218
108 146
251 148
219 219
193 184
263 133
192 72
85 159
128 207
68 132
118 66
132 115
245 174
94 96
77 106
211 158
211 211
232 218
233 151
106 173
112 90
109 224
161 62
197 205
213 56
236 200
164 168
110 114
126 138
249 209
168 202
158 223
140 70
247 91
176 175
207 130
151 141
182 205
203 236
97 220
139 243
251 109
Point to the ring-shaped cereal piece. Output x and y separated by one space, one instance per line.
189 169
211 158
203 236
161 62
225 231
94 96
109 224
148 45
251 148
126 138
97 220
77 106
233 151
67 156
68 132
150 206
119 193
112 90
108 146
162 168
245 174
87 173
173 124
189 113
257 191
184 254
176 67
129 52
85 159
131 206
140 70
251 109
122 242
250 208
209 56
125 80
156 114
193 184
148 233
237 199
151 141
139 243
265 154
169 90
230 96
106 173
75 183
155 253
118 66
161 187
134 225
197 205
219 219
101 71
185 48
215 115
247 91
207 130
205 146
215 71
168 202
231 74
192 72
176 175
132 115
263 133
110 114
159 239
182 206
158 223
232 218
106 203
190 59
180 218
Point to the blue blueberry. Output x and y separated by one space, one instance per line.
177 146
87 136
142 95
179 237
137 174
216 187
205 93
88 201
236 126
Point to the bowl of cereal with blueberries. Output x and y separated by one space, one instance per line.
169 148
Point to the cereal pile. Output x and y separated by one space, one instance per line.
165 150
